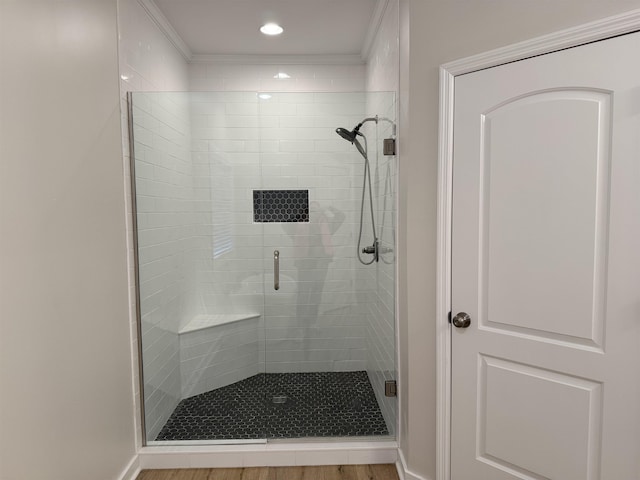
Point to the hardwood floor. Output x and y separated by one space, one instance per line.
333 472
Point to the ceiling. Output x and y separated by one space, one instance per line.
311 27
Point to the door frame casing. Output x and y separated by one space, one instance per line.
591 32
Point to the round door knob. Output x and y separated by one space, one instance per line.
461 320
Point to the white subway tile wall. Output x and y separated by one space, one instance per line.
220 77
313 322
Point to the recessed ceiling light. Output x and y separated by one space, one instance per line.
271 29
281 75
264 96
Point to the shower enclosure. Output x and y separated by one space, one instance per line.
256 318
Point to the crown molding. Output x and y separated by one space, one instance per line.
374 27
279 59
620 24
165 27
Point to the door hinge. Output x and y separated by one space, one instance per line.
390 388
389 146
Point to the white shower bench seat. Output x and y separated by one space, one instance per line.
217 350
200 322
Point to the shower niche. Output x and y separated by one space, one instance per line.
256 318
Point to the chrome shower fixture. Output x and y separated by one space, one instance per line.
351 136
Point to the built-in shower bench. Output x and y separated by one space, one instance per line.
200 322
217 350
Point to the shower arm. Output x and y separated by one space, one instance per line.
393 124
369 119
376 119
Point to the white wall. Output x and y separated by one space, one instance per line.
383 61
238 77
66 408
150 63
148 60
440 31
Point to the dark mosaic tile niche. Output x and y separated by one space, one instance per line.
281 205
325 404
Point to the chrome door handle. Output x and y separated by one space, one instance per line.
461 320
276 270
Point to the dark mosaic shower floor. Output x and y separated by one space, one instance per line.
325 404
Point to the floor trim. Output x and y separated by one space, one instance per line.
132 470
403 472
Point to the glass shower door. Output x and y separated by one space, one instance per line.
318 328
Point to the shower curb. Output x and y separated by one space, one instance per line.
267 455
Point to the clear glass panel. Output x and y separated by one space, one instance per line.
330 337
381 335
200 265
223 180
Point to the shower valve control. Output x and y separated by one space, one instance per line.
372 250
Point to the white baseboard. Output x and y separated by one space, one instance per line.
268 455
132 470
403 471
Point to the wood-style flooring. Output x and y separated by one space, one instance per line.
333 472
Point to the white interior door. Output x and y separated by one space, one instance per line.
546 262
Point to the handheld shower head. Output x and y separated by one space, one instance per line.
349 136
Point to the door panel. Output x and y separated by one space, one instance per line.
546 228
537 420
555 143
